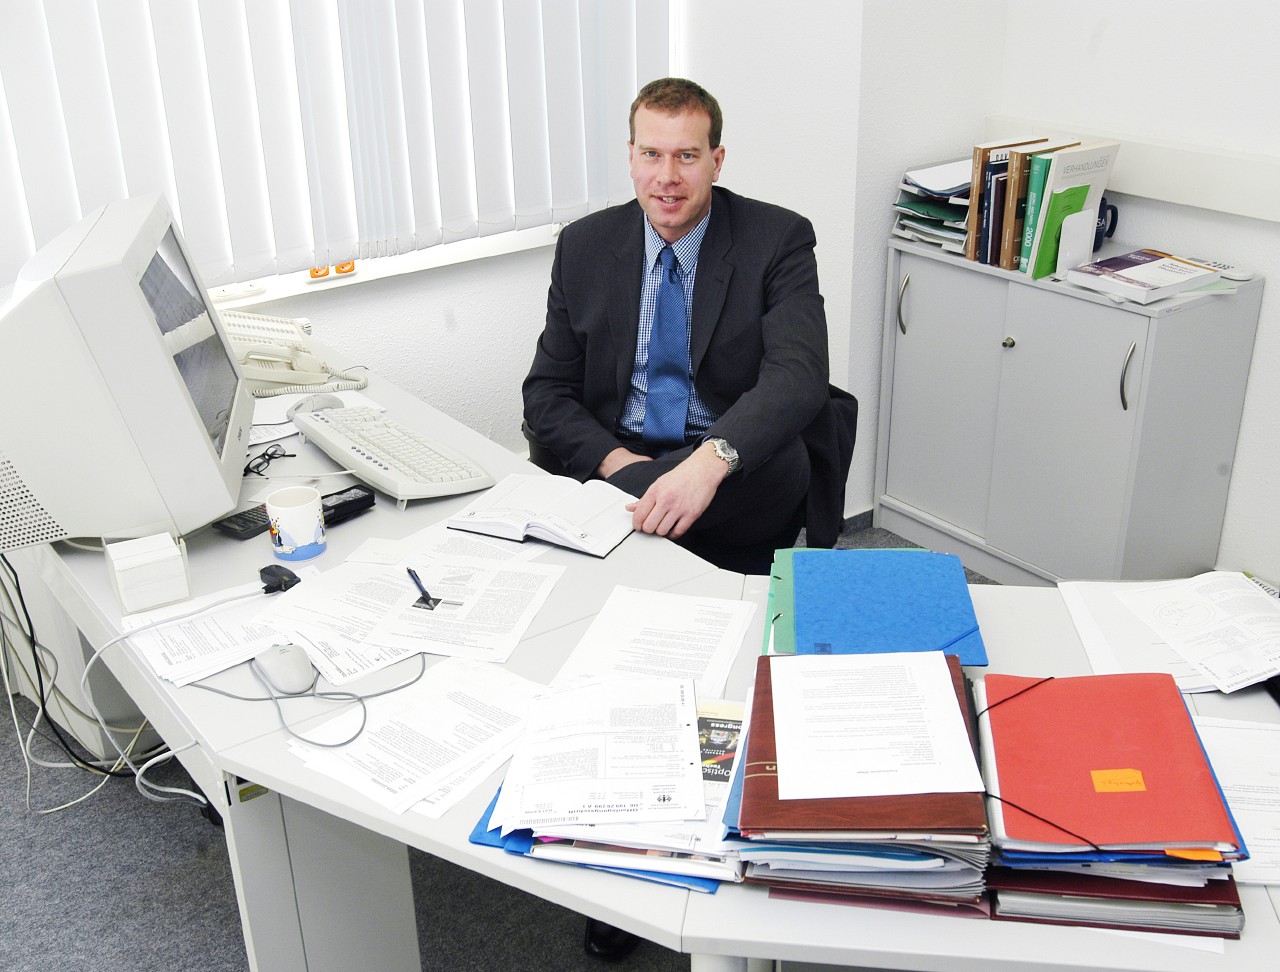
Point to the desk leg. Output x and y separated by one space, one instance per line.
728 963
318 893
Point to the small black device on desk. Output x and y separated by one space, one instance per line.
1272 685
338 506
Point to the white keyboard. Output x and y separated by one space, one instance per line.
389 457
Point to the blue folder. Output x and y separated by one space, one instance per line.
867 601
519 842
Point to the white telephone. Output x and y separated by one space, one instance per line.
276 357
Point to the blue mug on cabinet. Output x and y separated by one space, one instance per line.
1105 227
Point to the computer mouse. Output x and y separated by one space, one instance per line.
314 403
286 669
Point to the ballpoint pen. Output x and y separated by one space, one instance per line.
417 582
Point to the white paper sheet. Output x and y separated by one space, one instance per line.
614 749
1220 622
477 609
446 731
869 725
654 633
186 651
1246 760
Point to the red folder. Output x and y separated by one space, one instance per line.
1112 760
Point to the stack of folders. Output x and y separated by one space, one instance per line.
836 602
933 204
1104 807
920 850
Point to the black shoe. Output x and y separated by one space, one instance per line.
609 943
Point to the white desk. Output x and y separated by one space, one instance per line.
322 874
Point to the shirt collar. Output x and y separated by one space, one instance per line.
686 248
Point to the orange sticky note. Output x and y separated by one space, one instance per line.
1118 781
318 272
1193 853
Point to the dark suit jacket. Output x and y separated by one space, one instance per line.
758 345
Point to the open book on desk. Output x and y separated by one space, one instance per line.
590 517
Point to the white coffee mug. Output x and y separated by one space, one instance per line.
297 523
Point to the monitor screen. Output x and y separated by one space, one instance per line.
199 353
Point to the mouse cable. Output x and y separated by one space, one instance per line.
88 697
311 693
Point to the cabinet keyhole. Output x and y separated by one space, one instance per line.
1007 342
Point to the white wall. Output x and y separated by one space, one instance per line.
826 104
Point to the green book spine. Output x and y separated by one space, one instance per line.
1063 203
1035 185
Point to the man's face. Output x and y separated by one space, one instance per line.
673 166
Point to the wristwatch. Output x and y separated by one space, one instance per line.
728 453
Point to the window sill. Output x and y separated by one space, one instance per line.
249 292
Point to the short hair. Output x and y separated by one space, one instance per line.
675 95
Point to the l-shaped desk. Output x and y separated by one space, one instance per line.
322 875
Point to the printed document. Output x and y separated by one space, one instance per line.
472 609
612 749
1117 641
447 730
1220 622
870 725
1246 761
188 650
653 633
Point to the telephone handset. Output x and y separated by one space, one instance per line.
275 356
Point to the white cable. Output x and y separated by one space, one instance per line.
88 696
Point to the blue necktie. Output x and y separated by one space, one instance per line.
666 404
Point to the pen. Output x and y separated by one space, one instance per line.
417 582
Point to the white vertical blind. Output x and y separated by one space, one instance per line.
295 133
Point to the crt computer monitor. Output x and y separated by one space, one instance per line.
123 412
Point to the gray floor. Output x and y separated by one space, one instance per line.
119 883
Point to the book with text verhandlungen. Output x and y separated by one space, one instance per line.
1083 167
1143 275
590 517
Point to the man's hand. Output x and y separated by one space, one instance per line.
616 460
675 500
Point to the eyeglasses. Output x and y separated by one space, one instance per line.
259 463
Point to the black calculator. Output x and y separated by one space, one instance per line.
245 524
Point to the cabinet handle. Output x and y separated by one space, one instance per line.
1124 372
902 289
1008 342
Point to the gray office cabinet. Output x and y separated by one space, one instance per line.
1044 432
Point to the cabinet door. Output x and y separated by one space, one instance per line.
1061 469
945 373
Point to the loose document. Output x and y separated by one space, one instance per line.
1246 761
187 650
651 633
609 749
433 740
870 725
1220 623
361 617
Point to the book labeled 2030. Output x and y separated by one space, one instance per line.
1143 275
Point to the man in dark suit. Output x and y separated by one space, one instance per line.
754 370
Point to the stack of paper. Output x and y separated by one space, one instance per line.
863 601
1103 778
933 205
860 781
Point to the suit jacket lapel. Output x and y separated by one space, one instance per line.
624 298
712 282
